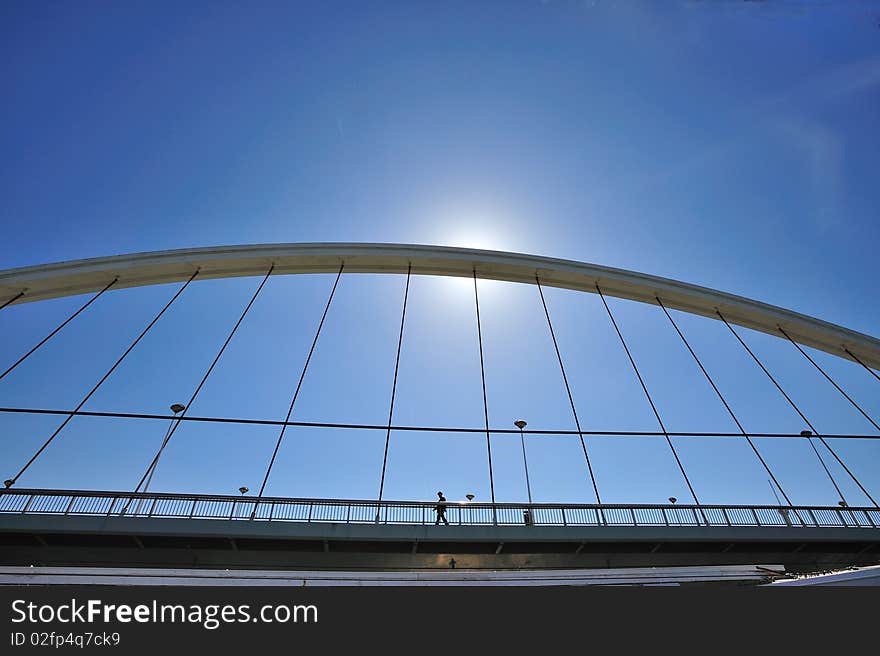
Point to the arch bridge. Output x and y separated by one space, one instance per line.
138 527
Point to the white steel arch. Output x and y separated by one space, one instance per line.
47 281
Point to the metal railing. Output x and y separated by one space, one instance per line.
280 509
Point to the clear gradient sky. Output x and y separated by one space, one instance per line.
730 144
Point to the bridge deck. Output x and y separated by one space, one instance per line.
58 527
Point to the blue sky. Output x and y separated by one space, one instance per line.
730 144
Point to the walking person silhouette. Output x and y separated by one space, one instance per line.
441 510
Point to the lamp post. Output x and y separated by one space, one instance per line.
521 423
808 434
672 500
527 514
466 509
176 408
244 490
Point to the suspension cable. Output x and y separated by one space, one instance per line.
828 378
648 396
577 422
485 400
791 403
807 421
867 368
723 400
11 481
394 386
189 403
299 383
12 300
57 329
421 429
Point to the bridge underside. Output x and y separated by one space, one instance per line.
152 542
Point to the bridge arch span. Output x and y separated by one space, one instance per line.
45 281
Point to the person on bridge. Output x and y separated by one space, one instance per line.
441 510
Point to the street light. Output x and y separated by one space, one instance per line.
527 514
521 423
469 497
672 500
243 489
176 408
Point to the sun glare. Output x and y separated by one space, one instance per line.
476 237
476 229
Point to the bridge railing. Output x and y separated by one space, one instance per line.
280 509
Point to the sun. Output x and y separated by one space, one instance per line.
475 233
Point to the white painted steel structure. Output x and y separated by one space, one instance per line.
80 276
